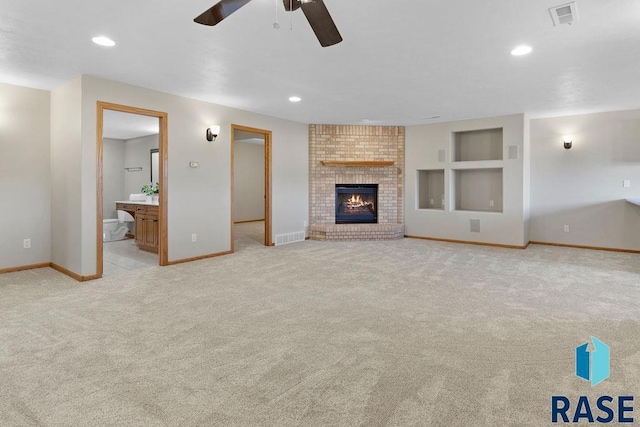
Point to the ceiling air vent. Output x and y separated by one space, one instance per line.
564 14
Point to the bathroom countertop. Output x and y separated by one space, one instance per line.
131 202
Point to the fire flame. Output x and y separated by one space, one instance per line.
355 201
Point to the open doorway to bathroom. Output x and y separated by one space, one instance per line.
132 189
250 187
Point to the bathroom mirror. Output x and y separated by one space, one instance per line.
155 171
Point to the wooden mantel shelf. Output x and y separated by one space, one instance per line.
358 163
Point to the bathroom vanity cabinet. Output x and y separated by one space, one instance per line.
147 229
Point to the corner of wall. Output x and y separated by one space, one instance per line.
526 163
66 175
425 146
25 174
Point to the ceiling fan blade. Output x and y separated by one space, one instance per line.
220 11
322 23
291 5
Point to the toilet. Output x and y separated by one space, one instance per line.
116 229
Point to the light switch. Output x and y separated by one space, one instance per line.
626 183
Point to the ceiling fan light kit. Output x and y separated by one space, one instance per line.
314 10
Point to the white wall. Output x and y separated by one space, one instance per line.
430 189
248 181
526 168
199 198
582 187
113 175
478 188
137 153
118 183
66 175
422 144
25 172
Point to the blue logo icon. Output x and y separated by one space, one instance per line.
593 364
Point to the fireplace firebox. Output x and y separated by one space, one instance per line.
356 203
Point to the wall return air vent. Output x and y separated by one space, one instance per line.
564 14
283 239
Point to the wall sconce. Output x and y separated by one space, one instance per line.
212 132
568 141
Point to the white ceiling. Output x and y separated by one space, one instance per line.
401 61
248 137
118 125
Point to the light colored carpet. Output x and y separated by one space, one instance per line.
404 332
248 235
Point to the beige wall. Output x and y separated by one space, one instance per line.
582 187
118 183
137 152
25 172
248 181
524 176
113 175
47 170
59 213
66 175
478 188
199 198
422 146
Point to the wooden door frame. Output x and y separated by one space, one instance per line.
267 181
163 253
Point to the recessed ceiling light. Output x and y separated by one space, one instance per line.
103 41
295 99
521 50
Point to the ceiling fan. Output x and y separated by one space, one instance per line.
315 11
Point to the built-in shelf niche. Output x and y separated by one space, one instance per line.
477 145
477 189
430 186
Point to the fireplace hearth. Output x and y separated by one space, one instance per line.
356 203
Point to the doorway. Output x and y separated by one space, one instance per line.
250 186
144 215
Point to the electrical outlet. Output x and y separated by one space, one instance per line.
566 228
491 203
26 243
626 183
431 201
194 238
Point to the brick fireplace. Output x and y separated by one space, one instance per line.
342 155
